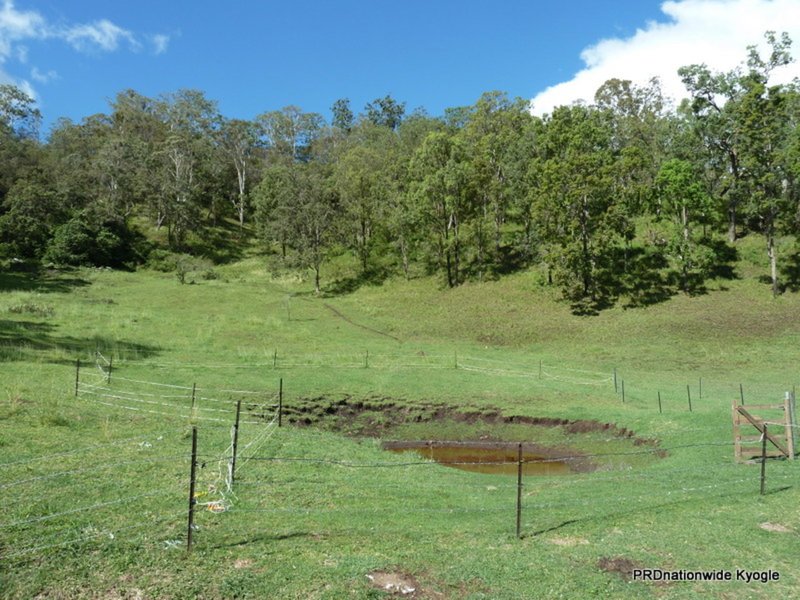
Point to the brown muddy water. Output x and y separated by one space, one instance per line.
491 457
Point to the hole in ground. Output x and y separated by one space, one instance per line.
480 435
492 457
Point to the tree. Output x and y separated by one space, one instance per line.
641 136
32 209
761 117
19 126
361 176
18 113
492 134
343 117
749 130
576 208
189 119
295 206
290 132
238 140
441 188
713 98
682 199
385 112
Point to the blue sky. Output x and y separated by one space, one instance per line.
253 56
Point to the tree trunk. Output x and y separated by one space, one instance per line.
586 269
732 222
773 262
404 256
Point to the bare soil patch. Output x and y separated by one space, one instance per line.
620 565
374 416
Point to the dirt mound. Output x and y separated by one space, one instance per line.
619 565
375 416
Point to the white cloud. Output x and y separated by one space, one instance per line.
160 43
37 75
714 32
18 25
18 28
103 35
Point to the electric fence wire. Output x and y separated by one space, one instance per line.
563 458
93 507
553 481
94 469
182 415
258 441
151 436
112 534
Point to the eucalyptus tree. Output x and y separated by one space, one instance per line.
129 158
238 141
19 128
296 207
385 112
290 132
683 201
750 131
762 118
641 136
361 175
19 114
189 119
492 134
402 215
342 115
442 188
579 218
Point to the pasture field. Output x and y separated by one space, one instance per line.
94 488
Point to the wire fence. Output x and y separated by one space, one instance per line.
243 467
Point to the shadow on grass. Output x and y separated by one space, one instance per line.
266 538
789 272
645 281
348 285
644 509
222 244
30 340
725 257
43 282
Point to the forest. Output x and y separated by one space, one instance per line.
629 196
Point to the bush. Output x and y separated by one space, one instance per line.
187 264
31 308
80 241
162 260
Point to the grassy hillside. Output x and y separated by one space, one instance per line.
95 488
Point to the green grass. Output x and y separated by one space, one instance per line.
76 472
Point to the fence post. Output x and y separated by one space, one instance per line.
519 488
659 402
689 395
192 480
763 458
792 418
194 398
77 375
280 402
741 393
275 359
110 367
455 359
616 390
623 391
235 441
